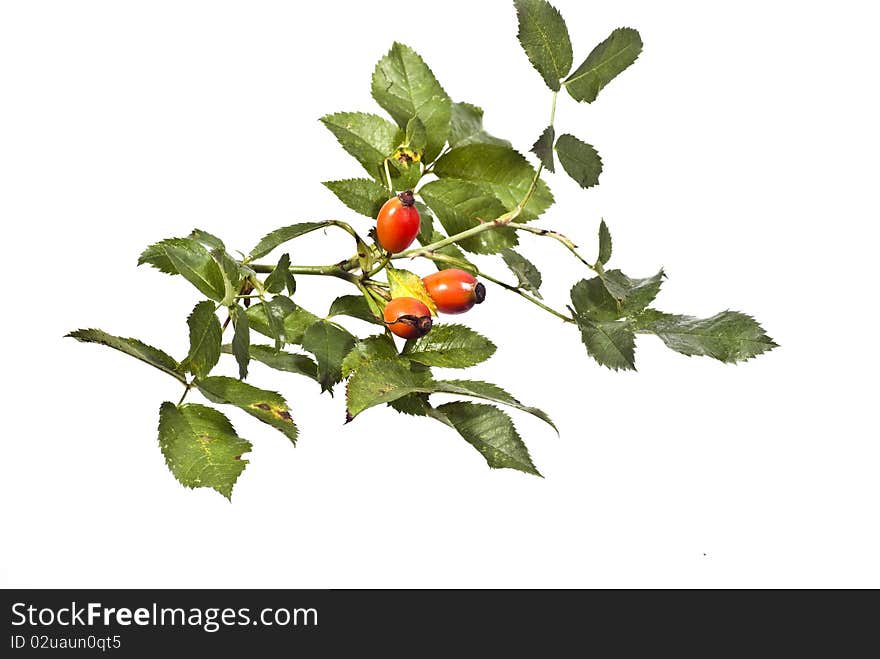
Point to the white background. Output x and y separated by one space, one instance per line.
740 154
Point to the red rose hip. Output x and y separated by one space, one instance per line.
398 223
454 290
407 317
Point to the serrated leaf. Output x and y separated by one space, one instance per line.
365 351
134 348
329 344
201 447
429 235
381 381
466 127
279 236
204 340
233 275
241 340
604 63
295 323
404 283
361 195
729 336
528 276
543 148
633 294
412 405
277 310
498 171
277 279
604 243
461 206
369 138
592 301
544 36
209 240
488 391
610 342
451 346
416 137
405 87
491 432
267 406
579 160
281 360
355 306
190 259
614 295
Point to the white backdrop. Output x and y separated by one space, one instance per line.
740 154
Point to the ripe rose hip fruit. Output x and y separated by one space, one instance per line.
454 290
407 317
398 223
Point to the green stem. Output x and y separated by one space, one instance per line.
337 270
189 386
565 240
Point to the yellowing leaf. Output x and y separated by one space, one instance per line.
407 284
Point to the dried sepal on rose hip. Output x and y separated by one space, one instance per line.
408 317
454 291
398 223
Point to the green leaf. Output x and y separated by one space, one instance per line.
614 295
277 310
729 336
365 351
543 148
381 381
295 322
633 294
451 346
355 306
488 391
361 195
412 405
290 282
267 406
604 63
204 340
491 432
610 342
405 87
275 238
416 135
404 283
329 344
210 241
466 127
429 235
241 340
369 138
592 301
201 447
498 171
460 206
282 361
527 275
134 348
190 259
604 243
277 279
233 275
579 160
545 39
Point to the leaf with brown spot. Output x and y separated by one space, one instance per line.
267 406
